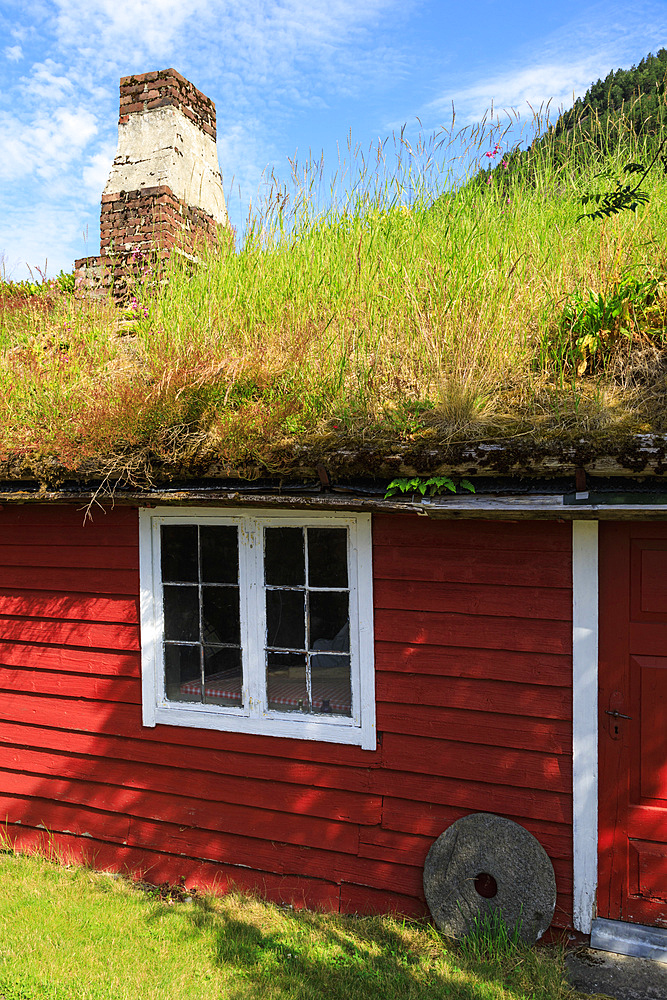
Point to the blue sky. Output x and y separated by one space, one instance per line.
287 76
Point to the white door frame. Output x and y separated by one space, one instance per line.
585 721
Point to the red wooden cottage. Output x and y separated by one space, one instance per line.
298 691
301 698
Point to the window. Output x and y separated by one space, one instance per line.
258 622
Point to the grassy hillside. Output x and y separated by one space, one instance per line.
495 312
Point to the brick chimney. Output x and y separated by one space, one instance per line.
164 191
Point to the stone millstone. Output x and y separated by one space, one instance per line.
473 856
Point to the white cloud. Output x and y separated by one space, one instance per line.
260 44
47 82
536 86
603 37
44 236
14 53
96 171
47 146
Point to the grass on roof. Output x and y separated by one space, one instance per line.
390 316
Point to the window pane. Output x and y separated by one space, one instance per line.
223 676
219 554
220 615
284 564
327 557
179 553
330 684
286 682
181 613
182 672
328 621
285 621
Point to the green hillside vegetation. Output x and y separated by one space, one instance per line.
392 320
595 128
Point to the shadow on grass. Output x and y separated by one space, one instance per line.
304 955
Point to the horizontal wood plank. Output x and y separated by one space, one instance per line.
41 535
305 775
427 820
458 661
475 694
433 790
484 728
70 556
98 580
46 682
462 565
71 660
125 721
340 804
478 631
95 635
77 607
68 516
269 823
470 762
548 603
529 536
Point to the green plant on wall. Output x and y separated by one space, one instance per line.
433 485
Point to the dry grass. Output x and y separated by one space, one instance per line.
384 319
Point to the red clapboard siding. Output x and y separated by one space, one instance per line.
89 634
101 749
478 567
513 602
530 536
487 728
475 695
475 796
63 517
473 684
113 689
441 629
267 823
77 607
468 762
330 803
80 556
68 660
125 721
457 661
64 578
160 867
427 820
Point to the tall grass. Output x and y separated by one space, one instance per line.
414 298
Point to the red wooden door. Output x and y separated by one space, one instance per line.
632 882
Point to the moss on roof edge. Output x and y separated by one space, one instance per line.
291 461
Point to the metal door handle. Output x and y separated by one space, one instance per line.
617 715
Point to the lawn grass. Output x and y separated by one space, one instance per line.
69 933
414 308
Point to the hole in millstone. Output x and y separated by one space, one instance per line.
486 885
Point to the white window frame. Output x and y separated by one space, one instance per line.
253 717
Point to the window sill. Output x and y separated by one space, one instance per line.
334 730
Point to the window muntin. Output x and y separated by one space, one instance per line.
258 622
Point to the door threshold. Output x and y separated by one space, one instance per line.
637 940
